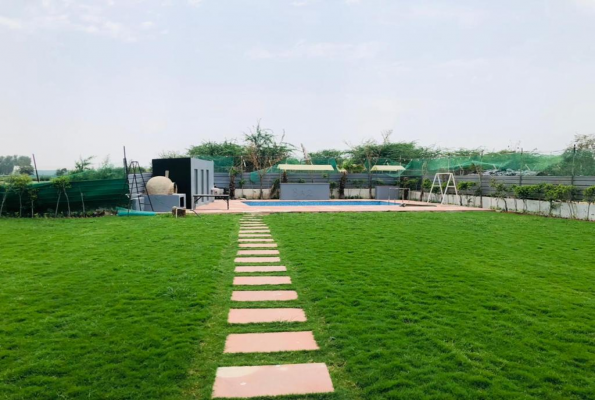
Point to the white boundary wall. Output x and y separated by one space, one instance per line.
577 210
252 194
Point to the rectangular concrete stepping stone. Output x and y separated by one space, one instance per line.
264 295
244 240
273 268
257 260
272 380
256 231
261 280
243 226
255 235
257 245
270 342
264 315
258 252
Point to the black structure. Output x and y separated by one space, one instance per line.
191 175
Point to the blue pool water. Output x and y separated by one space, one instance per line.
319 203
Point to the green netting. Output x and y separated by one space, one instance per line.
567 164
108 193
255 177
222 164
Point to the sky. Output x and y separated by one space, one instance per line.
85 78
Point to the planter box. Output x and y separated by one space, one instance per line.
305 191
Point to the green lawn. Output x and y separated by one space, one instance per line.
108 308
448 306
403 305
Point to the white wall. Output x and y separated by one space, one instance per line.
576 210
252 194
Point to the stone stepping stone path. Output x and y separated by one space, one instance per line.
272 380
270 342
261 280
264 295
264 268
258 252
265 315
257 245
266 380
255 235
257 259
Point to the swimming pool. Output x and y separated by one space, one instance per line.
319 203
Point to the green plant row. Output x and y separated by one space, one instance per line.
20 196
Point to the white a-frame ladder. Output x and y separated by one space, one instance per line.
450 184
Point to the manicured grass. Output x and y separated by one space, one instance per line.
403 305
109 308
447 306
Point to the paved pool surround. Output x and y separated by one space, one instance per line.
240 207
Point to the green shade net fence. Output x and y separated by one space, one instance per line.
569 163
580 163
223 164
107 193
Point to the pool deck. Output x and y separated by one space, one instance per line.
238 207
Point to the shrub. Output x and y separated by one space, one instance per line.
62 183
20 184
465 187
500 192
524 193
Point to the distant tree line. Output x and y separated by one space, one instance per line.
8 164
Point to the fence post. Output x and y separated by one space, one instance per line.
480 172
521 170
573 158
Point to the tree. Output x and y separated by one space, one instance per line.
26 170
337 155
7 186
577 159
61 184
83 164
232 182
589 196
264 151
33 194
524 193
464 189
342 184
500 192
7 164
227 148
20 184
171 154
61 172
368 153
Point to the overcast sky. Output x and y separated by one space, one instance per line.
82 78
